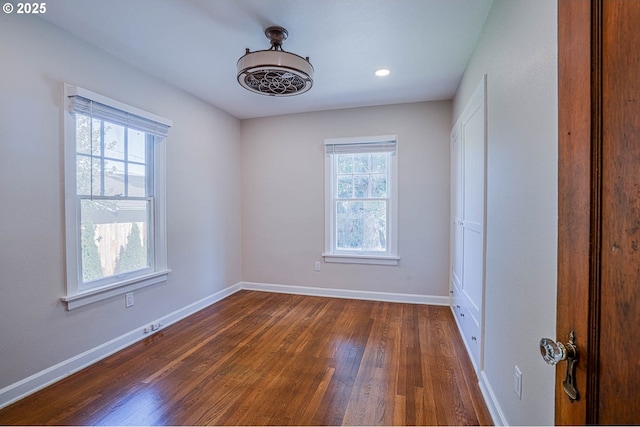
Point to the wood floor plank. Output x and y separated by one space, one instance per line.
258 358
427 344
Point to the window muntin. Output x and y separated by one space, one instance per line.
361 200
115 201
111 160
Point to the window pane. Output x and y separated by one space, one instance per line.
115 237
136 146
348 225
113 178
378 185
361 163
345 163
113 141
83 131
345 186
85 165
360 186
361 225
137 181
379 162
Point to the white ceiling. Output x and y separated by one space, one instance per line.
195 44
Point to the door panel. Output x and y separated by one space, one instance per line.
619 379
456 206
574 197
474 157
473 268
473 130
599 208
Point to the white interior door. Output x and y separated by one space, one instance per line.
473 209
468 154
456 209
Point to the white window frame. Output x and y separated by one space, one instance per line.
331 253
76 294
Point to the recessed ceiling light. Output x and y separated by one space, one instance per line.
381 72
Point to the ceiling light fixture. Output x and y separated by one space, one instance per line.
382 72
275 72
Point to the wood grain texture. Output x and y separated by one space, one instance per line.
619 376
577 176
599 207
260 358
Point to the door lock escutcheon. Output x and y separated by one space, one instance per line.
553 352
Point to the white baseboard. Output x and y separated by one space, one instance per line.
349 294
491 401
40 380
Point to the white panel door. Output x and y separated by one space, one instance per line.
473 209
468 184
456 211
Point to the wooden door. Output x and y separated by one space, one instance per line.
599 208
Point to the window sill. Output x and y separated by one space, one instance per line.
361 259
98 294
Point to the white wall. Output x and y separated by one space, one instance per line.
283 198
517 49
203 198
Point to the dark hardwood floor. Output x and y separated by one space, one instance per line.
258 358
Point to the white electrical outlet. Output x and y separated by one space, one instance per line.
517 382
316 266
128 299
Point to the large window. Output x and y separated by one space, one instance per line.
361 200
114 182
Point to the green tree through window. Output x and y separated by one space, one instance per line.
92 269
133 256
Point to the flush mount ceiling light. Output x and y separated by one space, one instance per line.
275 72
382 72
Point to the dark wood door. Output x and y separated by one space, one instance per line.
599 208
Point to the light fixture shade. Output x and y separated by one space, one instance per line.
275 72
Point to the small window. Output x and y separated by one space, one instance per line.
361 200
114 181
